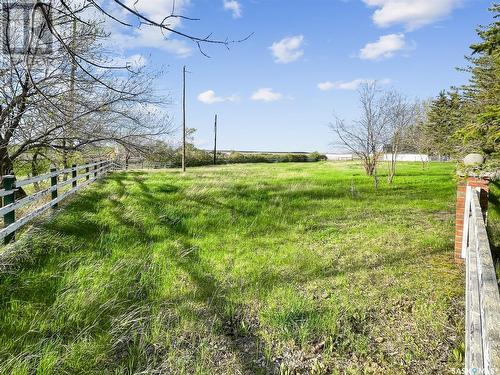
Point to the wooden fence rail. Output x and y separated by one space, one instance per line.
91 172
482 319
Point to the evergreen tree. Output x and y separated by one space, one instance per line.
444 119
482 129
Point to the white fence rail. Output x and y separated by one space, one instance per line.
90 172
482 320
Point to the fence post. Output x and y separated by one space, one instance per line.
10 217
74 173
53 182
87 170
95 170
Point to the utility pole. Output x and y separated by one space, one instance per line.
184 120
215 141
71 117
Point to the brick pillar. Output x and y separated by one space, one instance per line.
473 182
483 184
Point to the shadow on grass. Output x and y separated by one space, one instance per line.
246 346
35 276
210 292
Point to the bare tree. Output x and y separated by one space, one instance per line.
365 137
417 136
400 116
67 100
76 96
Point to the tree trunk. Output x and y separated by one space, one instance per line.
392 167
34 169
6 165
375 178
65 160
368 166
7 168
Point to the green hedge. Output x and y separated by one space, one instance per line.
197 158
237 157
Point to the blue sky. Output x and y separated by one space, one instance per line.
278 90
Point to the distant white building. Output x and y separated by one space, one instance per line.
407 157
385 157
339 156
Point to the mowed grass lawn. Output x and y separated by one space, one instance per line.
241 269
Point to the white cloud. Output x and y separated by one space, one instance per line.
411 13
209 97
157 10
383 48
234 6
266 95
288 49
350 85
151 37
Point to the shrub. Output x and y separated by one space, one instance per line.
197 157
316 156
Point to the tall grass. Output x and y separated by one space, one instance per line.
274 268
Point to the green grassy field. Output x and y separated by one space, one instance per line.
275 268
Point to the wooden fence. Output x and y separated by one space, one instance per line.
58 190
482 320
